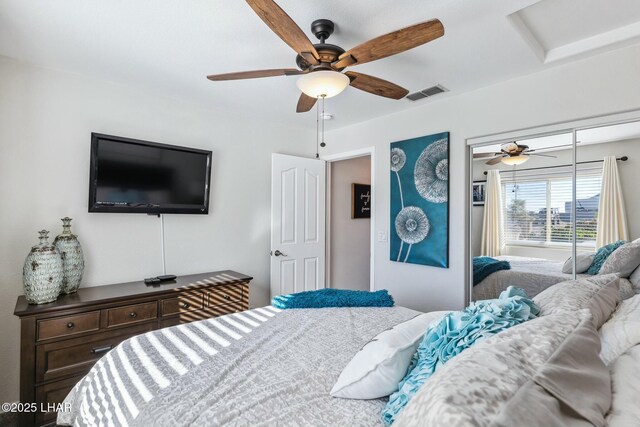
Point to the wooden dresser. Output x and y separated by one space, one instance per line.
60 341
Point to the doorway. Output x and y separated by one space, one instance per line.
349 221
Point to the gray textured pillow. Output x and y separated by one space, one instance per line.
626 289
623 260
635 279
600 294
542 373
583 262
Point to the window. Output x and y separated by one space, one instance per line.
537 208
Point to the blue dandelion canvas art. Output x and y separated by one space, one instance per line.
420 200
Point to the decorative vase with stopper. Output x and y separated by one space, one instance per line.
72 258
42 272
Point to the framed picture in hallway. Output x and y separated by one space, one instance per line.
419 229
360 201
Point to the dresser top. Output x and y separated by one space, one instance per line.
123 291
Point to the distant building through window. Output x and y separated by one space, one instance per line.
538 209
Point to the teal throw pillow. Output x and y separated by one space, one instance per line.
602 255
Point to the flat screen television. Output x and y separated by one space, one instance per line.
133 176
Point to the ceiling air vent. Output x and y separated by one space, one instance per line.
426 93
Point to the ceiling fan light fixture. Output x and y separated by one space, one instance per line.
515 160
323 83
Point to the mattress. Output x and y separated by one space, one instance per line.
261 367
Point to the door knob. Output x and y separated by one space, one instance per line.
278 253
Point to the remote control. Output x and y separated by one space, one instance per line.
166 277
152 281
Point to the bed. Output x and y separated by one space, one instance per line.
534 275
265 367
259 367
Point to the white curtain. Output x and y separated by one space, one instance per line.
612 218
493 222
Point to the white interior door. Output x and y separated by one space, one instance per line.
297 224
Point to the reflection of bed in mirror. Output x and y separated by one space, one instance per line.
534 275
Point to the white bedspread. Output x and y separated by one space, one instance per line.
256 368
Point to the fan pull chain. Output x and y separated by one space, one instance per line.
322 143
320 127
317 130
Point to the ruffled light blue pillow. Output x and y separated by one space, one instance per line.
602 255
455 333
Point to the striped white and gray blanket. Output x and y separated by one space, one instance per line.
261 367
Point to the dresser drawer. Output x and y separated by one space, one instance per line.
184 303
132 314
51 394
68 325
76 356
205 313
224 295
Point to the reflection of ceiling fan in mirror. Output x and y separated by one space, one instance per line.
321 64
511 154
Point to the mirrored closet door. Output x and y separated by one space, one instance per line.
607 199
525 226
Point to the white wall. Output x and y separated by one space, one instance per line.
598 85
350 240
46 118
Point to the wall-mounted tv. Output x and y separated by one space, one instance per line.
133 176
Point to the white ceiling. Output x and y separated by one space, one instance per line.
169 46
560 29
558 23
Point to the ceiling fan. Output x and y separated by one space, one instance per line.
321 64
510 153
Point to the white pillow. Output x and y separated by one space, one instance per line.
621 331
377 369
583 262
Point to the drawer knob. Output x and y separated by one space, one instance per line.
70 325
225 296
185 305
133 314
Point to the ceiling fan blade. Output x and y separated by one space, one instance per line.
282 24
483 155
392 43
495 160
255 74
376 86
305 103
